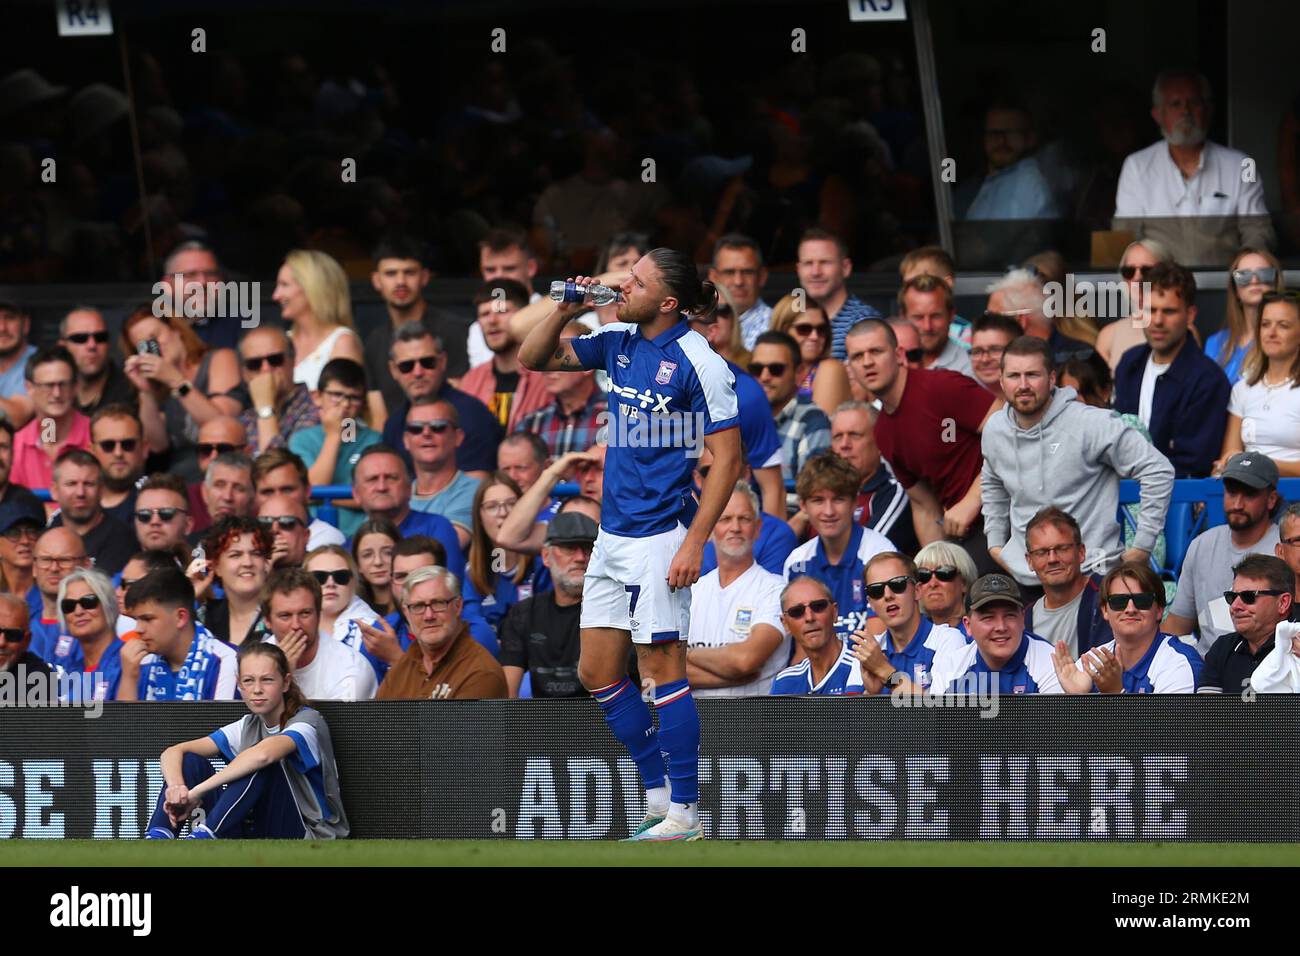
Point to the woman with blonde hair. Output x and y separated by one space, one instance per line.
723 333
822 379
1264 406
1252 273
312 292
945 573
1123 333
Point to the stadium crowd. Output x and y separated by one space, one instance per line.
927 501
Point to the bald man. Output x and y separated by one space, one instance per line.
59 552
280 407
16 656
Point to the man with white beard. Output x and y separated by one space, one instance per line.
1190 193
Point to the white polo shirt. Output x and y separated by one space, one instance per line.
724 616
337 672
1151 184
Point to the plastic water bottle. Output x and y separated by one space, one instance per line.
570 291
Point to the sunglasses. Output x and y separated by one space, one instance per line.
12 635
1249 597
342 577
809 328
914 355
777 369
286 522
438 426
81 338
275 360
1143 602
110 445
22 531
944 573
1129 272
818 606
1266 275
87 602
145 515
215 448
426 362
898 585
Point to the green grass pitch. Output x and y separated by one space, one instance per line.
84 853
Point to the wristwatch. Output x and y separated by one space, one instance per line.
266 411
183 389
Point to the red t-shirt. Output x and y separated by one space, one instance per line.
936 404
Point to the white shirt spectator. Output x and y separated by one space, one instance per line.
1147 393
1270 418
336 673
724 616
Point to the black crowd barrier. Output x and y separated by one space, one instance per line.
1044 768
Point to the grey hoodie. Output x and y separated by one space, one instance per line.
1073 459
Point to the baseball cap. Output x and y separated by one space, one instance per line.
16 512
993 588
571 527
1251 469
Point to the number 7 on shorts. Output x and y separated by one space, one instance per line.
634 592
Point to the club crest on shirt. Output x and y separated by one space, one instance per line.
1018 689
525 591
665 372
64 646
744 619
857 592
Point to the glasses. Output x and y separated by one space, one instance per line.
993 352
1249 597
809 328
110 445
1291 542
22 531
87 602
81 338
214 448
795 611
499 507
61 385
945 573
898 585
1267 275
1143 601
341 397
52 562
342 577
145 515
1129 272
1062 549
438 426
125 585
12 635
777 369
438 605
429 362
914 355
286 522
275 360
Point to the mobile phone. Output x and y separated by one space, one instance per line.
149 347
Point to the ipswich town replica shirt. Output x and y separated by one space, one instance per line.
958 670
1169 666
844 678
844 579
665 395
917 659
208 672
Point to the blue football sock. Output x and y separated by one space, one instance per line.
679 735
629 718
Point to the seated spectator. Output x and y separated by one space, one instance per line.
285 520
238 560
1019 296
1250 499
312 292
382 487
576 411
443 661
1126 331
16 657
935 261
1140 659
827 489
539 633
218 436
56 424
823 265
387 641
882 503
1263 595
496 578
1264 407
432 435
281 472
78 484
826 665
227 487
736 645
801 425
822 379
1253 272
776 538
1287 548
280 406
508 389
175 658
738 267
1014 186
89 645
1184 189
15 350
334 445
194 264
20 528
117 440
910 641
523 456
927 302
944 576
182 384
1045 449
524 528
324 669
100 381
59 552
342 609
990 335
417 361
162 520
9 491
1174 388
372 550
1070 610
723 333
